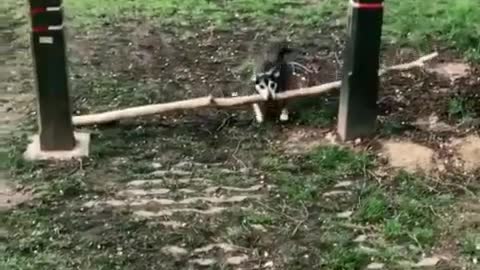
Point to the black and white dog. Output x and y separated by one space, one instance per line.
274 74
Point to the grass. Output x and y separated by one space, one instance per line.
471 245
449 21
319 169
461 108
203 11
315 112
374 207
410 214
49 234
405 213
408 22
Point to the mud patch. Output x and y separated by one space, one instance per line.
469 152
11 197
451 71
409 156
303 140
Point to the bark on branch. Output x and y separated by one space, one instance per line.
212 102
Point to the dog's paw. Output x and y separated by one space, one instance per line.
284 116
259 119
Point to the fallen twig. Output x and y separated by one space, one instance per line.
212 102
420 62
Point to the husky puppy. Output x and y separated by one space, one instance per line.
274 74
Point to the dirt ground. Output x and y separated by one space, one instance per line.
204 189
193 65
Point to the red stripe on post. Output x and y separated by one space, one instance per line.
370 6
361 5
37 10
38 29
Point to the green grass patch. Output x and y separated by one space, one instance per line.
315 112
374 206
303 180
337 160
471 245
419 22
316 117
14 160
392 127
345 258
461 108
408 22
191 12
409 213
39 261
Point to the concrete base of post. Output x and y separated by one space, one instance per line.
82 149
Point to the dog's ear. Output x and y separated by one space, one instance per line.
253 78
276 74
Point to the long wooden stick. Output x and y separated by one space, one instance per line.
212 102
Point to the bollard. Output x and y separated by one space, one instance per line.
359 92
49 54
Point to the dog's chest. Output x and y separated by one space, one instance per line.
273 108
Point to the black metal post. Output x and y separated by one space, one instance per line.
49 54
359 92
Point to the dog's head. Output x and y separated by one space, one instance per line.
266 83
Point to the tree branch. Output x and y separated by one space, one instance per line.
212 102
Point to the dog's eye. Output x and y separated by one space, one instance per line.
272 85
